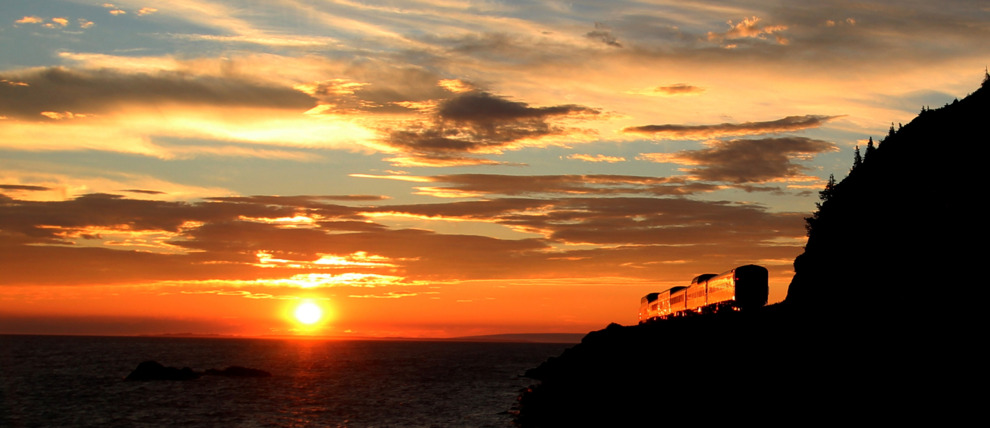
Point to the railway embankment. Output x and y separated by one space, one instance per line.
882 320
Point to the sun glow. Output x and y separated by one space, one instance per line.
308 313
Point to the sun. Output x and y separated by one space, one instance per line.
308 313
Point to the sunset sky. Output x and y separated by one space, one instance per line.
432 168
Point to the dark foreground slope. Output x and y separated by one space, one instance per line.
882 323
908 221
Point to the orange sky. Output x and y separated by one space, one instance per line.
431 169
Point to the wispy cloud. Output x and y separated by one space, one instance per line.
596 158
604 34
745 161
517 185
749 28
242 238
787 124
99 91
29 20
670 90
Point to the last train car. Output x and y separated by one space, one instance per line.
743 287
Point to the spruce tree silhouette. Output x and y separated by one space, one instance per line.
823 196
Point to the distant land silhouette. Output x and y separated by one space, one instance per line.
883 320
504 337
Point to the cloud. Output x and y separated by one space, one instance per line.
48 108
478 122
747 161
485 109
310 241
833 23
55 22
697 132
263 39
144 191
438 160
377 87
22 187
673 90
388 295
628 221
67 115
38 183
474 185
604 34
225 239
29 20
113 9
596 158
62 90
749 28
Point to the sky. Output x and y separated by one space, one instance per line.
432 168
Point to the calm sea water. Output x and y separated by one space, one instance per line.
78 381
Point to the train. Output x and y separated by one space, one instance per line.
742 288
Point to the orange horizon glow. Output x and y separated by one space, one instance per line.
263 311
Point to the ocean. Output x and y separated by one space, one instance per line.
68 381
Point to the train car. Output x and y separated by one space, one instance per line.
703 277
661 305
697 292
648 307
678 301
744 287
665 302
696 296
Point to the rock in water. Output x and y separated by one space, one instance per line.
153 370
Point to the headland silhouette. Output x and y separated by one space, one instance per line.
880 324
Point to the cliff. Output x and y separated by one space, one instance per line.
881 323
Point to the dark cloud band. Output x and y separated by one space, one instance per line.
691 132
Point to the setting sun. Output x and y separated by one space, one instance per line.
308 313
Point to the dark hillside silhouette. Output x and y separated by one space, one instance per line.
881 324
906 221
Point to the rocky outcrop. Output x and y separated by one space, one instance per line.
153 370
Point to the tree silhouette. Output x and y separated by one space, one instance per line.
828 192
824 195
870 149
